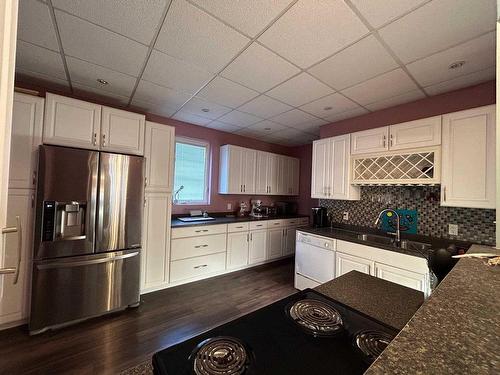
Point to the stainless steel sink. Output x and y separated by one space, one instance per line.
375 238
414 245
404 244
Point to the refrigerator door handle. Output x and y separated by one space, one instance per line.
19 230
85 262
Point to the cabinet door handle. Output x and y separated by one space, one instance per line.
34 178
391 140
384 141
244 188
95 139
248 237
241 188
104 140
201 230
145 181
251 239
444 194
200 266
15 270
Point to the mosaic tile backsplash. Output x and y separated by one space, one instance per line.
474 224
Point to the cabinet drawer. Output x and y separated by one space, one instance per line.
195 246
275 223
238 227
198 230
196 267
258 225
290 222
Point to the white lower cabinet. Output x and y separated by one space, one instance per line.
289 241
156 241
198 267
346 263
237 249
258 246
274 243
414 280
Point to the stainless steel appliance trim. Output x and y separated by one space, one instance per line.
85 262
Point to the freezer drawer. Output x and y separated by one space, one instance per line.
70 289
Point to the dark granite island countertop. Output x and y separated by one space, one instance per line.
387 302
456 331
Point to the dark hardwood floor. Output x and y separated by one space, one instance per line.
110 344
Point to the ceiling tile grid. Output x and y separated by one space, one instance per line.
264 106
35 25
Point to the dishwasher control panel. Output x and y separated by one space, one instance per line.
318 241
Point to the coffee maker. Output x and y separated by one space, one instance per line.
257 208
320 217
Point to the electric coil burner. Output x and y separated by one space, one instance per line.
220 355
316 317
372 343
305 333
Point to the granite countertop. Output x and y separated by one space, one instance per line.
176 223
387 302
456 331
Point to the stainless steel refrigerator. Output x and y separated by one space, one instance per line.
87 242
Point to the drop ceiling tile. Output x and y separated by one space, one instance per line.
246 132
299 120
312 30
217 125
264 107
165 70
259 69
478 54
27 76
226 92
85 73
357 63
35 24
334 103
150 93
39 60
154 108
438 25
92 43
137 20
266 127
250 17
396 100
347 114
379 12
203 108
192 35
300 90
94 93
290 134
462 81
240 119
385 86
191 118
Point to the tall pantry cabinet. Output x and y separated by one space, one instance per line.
159 155
27 124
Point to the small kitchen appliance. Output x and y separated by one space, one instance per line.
320 217
286 208
305 333
257 208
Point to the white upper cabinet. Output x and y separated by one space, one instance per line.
27 125
291 176
468 158
71 122
331 169
261 176
369 141
418 133
248 163
237 170
159 153
122 131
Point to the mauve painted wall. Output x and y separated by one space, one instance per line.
304 153
469 97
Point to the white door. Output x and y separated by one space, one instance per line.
468 161
272 173
122 131
340 186
320 168
27 125
419 133
262 161
346 263
258 246
289 241
237 249
235 156
275 243
14 298
159 153
400 276
71 122
368 141
155 255
248 163
282 174
295 176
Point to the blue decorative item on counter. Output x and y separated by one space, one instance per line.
408 221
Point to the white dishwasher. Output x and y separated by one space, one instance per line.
314 260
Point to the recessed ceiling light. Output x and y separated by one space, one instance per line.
205 110
456 65
267 128
102 81
328 108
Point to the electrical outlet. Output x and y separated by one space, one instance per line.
345 215
453 229
229 206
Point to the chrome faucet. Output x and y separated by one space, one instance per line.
398 232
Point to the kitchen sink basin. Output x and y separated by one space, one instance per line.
375 238
414 245
403 244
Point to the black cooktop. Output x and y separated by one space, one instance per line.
306 333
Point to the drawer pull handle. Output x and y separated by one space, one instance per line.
201 266
198 246
259 225
201 230
239 227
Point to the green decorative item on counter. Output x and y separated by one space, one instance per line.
407 223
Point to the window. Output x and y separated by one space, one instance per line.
191 171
